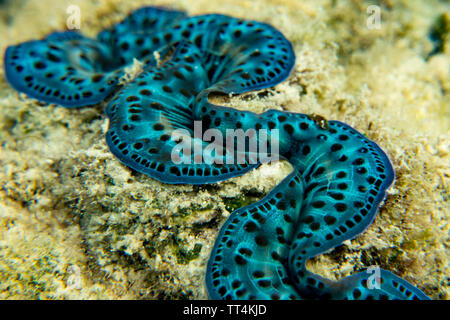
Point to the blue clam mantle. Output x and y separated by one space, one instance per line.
339 177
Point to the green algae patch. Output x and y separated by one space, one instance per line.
184 256
195 209
440 34
233 204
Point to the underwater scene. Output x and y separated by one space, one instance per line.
237 150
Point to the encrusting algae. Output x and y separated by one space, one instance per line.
78 224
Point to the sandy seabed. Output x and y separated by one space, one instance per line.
77 224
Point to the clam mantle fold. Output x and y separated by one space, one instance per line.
339 177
